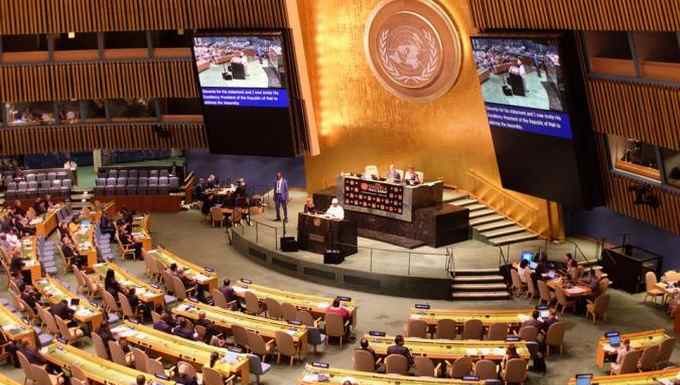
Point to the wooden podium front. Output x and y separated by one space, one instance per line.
318 235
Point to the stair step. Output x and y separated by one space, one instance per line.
494 225
478 278
476 206
476 272
464 202
453 195
481 213
479 286
485 219
483 295
514 238
78 197
504 231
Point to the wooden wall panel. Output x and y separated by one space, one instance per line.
98 80
625 15
85 137
619 198
61 16
646 112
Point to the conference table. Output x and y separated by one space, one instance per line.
224 319
199 274
83 237
178 348
54 292
446 349
140 231
96 369
638 341
4 380
147 293
317 305
513 317
29 254
316 374
656 377
577 290
15 329
46 223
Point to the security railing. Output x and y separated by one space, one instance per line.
435 264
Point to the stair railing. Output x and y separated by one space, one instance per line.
503 256
450 263
523 213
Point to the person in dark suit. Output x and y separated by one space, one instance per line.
30 296
162 326
228 291
137 305
363 345
183 330
309 207
110 283
105 333
281 196
62 310
399 348
185 378
70 253
240 191
208 325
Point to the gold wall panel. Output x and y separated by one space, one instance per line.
361 123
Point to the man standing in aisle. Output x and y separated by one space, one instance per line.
281 196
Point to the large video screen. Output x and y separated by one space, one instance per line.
523 84
533 89
241 70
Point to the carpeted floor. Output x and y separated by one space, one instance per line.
187 236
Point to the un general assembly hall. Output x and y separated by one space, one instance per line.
341 192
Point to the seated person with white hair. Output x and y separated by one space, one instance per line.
336 211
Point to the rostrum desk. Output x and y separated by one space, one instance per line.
319 234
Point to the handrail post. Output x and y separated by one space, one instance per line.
409 263
257 232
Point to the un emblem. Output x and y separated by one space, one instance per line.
413 48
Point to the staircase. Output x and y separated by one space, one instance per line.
479 284
81 197
491 227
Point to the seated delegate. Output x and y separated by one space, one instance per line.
399 348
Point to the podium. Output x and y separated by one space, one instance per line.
319 235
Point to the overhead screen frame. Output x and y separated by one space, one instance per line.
291 119
581 145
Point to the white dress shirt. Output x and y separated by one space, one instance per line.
336 212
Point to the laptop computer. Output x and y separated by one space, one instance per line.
584 379
614 339
528 256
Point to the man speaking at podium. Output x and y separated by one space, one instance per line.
335 212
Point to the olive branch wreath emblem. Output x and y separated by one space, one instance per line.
429 68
